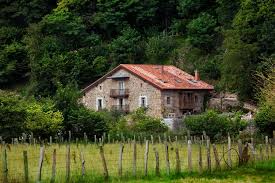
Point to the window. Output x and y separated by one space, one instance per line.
121 85
120 103
100 87
99 103
143 101
190 97
196 98
168 100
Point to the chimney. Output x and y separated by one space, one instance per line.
197 75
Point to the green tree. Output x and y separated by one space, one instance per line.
201 31
158 48
125 48
13 64
252 36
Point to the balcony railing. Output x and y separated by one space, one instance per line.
187 105
121 108
119 92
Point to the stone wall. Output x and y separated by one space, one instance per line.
137 87
176 97
157 105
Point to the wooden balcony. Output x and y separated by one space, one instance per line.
187 105
119 93
121 108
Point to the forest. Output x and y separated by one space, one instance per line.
51 49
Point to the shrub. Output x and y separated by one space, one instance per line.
139 122
20 115
83 120
42 119
12 115
158 48
214 124
145 123
265 119
77 118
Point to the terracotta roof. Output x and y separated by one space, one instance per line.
161 76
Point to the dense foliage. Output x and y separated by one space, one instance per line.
47 117
19 115
215 125
265 117
51 42
138 122
45 46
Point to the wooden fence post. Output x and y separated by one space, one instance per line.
146 158
216 156
70 136
5 165
109 138
152 139
200 158
106 175
189 148
167 158
26 167
95 139
229 152
252 141
134 158
85 138
51 140
68 163
159 139
188 135
120 160
157 162
253 151
271 148
178 168
53 166
261 152
40 164
208 155
266 148
169 138
165 137
82 163
240 150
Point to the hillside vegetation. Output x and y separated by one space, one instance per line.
50 49
50 43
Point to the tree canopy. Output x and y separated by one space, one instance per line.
48 43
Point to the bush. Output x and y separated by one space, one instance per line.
139 122
77 118
159 48
20 115
265 119
214 124
83 120
12 115
42 119
144 123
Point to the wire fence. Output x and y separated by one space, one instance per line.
50 161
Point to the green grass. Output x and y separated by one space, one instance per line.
260 172
94 168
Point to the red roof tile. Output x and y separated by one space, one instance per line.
161 76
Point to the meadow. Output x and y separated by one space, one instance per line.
79 162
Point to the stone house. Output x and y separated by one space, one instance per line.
164 90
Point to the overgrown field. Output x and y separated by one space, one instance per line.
94 165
